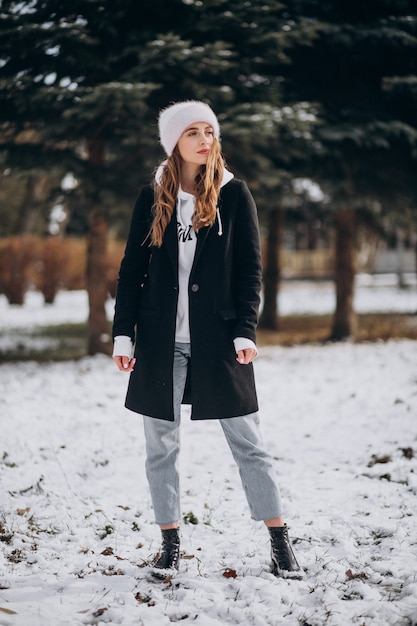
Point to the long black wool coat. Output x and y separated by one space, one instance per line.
224 288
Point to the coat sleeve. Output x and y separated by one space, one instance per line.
133 267
247 270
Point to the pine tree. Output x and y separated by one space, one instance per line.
265 141
91 77
81 95
360 49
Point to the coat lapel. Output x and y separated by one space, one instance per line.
171 243
201 240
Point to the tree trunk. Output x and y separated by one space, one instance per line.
415 257
344 318
98 325
99 339
272 272
38 190
400 258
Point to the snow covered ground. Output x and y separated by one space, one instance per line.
76 525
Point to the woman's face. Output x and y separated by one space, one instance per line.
195 143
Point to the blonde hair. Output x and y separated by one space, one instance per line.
207 189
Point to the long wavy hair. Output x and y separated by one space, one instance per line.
207 189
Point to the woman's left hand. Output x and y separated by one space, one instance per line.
246 356
124 363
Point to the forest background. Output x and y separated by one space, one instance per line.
317 102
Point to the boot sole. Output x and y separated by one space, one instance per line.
283 573
163 574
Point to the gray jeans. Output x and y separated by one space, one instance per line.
244 439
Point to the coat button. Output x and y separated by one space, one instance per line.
195 287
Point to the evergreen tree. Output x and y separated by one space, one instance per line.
93 74
81 95
266 142
359 50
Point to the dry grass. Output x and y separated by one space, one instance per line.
298 329
68 341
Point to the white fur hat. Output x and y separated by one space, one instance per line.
176 118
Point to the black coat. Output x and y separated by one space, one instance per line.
224 288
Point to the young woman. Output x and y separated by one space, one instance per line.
187 299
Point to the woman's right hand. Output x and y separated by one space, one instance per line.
124 363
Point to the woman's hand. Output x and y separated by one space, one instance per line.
246 356
124 363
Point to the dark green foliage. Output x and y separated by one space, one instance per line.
303 88
82 82
364 55
83 92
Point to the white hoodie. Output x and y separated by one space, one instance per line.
187 241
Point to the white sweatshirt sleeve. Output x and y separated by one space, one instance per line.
242 343
123 346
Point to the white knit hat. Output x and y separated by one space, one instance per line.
176 118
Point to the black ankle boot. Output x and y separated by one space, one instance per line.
284 563
168 562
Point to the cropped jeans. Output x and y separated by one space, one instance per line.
244 438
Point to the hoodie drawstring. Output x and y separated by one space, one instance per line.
220 231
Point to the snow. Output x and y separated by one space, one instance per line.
373 293
76 523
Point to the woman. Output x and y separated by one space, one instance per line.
188 298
